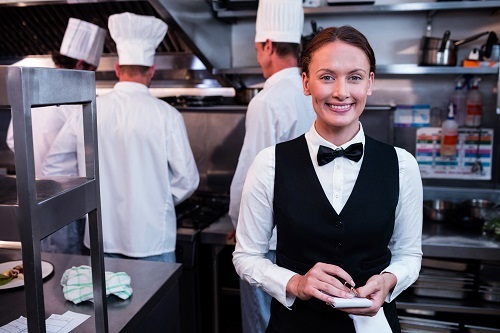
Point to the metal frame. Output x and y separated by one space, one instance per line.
38 210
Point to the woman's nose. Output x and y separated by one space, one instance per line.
340 90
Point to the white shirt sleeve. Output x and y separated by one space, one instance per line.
406 240
255 231
183 172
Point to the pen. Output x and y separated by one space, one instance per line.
349 286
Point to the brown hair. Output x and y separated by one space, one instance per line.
346 34
134 70
284 49
63 61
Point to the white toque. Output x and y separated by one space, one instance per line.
83 41
136 37
279 21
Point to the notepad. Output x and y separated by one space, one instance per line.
356 302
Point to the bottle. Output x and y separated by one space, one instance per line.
449 134
458 98
474 108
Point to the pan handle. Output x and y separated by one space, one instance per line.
471 38
442 46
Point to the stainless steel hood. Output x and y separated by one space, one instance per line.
32 30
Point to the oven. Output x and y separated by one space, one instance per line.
193 215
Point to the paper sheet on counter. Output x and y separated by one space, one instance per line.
54 324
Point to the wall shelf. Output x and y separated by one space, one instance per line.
369 9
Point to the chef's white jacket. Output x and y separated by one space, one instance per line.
146 167
278 113
46 122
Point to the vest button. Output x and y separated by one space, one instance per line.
338 224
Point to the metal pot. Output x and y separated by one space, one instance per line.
439 210
442 51
477 208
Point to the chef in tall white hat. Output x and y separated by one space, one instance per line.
146 165
81 49
280 112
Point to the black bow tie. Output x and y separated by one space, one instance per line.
353 152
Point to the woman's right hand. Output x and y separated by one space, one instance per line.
322 282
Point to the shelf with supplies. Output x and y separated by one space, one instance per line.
374 8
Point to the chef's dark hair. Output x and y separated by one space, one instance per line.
346 34
285 49
63 61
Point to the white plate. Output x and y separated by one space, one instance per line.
47 268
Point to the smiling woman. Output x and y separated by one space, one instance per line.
347 208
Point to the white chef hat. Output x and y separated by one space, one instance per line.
83 41
136 37
279 21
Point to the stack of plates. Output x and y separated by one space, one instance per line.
446 284
421 325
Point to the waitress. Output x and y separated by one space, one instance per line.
347 208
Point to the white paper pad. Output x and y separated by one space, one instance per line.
55 323
357 302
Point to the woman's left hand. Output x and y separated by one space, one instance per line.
376 289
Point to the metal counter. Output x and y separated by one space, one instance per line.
154 303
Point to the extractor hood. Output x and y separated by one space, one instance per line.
32 30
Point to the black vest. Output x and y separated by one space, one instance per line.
309 229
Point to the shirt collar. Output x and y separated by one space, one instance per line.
287 72
316 140
128 86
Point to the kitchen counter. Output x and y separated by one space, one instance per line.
154 303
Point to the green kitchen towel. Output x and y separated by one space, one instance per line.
77 284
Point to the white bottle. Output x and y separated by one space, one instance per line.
449 135
474 108
459 100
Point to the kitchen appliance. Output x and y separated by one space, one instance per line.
194 214
439 210
442 51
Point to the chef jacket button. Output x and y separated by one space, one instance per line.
338 224
336 195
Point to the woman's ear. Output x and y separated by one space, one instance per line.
371 79
305 84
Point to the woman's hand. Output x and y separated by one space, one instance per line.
320 282
376 289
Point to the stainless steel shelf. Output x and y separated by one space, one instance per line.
396 69
369 9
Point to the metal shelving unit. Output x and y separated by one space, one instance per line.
32 209
373 9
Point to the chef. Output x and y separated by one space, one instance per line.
81 49
278 113
146 165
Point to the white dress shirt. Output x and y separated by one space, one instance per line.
146 167
278 113
337 179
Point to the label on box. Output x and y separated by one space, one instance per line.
412 115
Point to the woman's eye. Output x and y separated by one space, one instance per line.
356 78
326 78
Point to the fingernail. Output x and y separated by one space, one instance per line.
350 295
352 283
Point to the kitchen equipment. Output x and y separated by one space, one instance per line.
306 39
477 208
245 95
439 210
491 50
442 51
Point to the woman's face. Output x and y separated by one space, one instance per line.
339 82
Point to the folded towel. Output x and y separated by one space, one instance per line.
377 323
77 284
